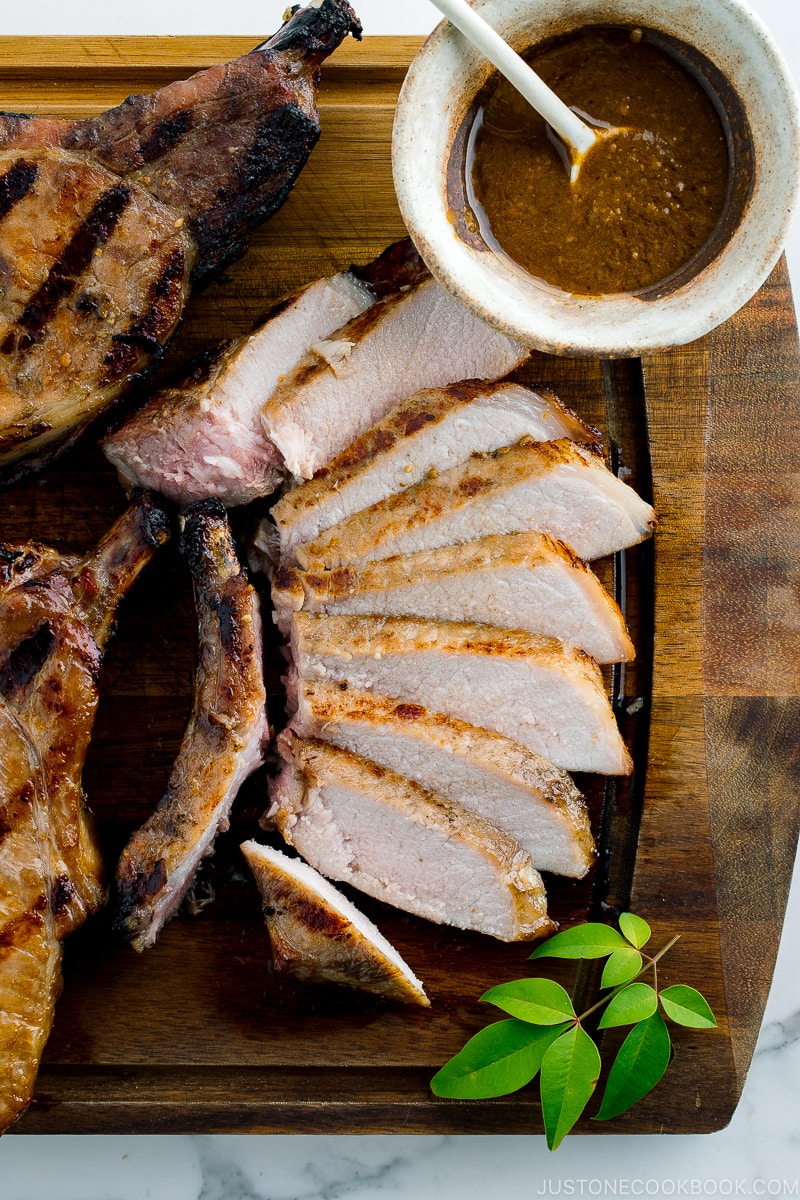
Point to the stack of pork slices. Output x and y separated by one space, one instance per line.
429 577
444 635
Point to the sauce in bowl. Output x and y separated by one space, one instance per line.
647 202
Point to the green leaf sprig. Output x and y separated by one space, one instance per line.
546 1037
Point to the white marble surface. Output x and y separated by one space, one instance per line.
757 1155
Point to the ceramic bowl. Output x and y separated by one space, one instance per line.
428 149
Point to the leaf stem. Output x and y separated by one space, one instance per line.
651 962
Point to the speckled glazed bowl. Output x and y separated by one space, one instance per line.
429 142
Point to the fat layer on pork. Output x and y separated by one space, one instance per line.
434 429
515 580
558 488
418 339
319 936
363 824
493 776
534 689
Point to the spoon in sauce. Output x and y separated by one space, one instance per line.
577 137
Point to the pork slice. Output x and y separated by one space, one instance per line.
362 824
435 429
510 787
558 488
203 436
514 580
534 689
318 935
419 339
224 740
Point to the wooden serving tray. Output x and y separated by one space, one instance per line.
198 1034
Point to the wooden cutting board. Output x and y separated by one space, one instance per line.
198 1035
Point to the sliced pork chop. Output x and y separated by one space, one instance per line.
223 743
558 488
318 935
203 436
433 430
106 221
30 949
514 580
534 689
419 339
519 792
362 824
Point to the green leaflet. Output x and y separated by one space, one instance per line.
540 1001
569 1074
634 1003
500 1059
641 1061
545 1035
635 929
623 966
590 940
686 1006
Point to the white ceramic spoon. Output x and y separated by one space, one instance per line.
577 136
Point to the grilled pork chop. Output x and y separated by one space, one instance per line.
558 488
515 580
359 823
519 792
433 430
56 615
106 222
203 436
223 743
534 689
318 935
30 949
418 339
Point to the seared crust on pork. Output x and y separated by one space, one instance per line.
515 580
362 824
203 435
319 936
533 689
434 429
105 222
30 949
558 488
420 338
56 615
512 788
223 743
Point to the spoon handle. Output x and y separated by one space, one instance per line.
569 127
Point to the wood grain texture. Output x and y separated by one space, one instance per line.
198 1034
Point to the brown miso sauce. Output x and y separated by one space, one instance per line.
646 201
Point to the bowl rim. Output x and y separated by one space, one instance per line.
437 91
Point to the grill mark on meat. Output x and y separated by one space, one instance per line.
93 232
282 137
166 134
147 332
26 660
62 895
16 183
11 934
